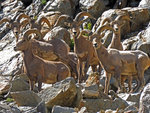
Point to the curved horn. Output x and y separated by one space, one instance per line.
24 23
30 31
22 15
81 14
123 17
104 27
45 20
105 20
85 31
62 18
4 20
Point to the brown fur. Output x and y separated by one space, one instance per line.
121 63
39 70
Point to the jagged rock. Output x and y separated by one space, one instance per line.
40 108
94 7
79 96
95 105
4 84
34 8
65 7
133 97
144 106
131 108
92 92
143 42
26 98
59 32
59 109
8 109
10 64
144 4
61 93
83 110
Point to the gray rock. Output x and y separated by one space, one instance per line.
131 108
19 84
8 109
61 93
79 96
26 98
59 32
94 7
4 84
144 4
144 106
10 61
34 8
40 108
59 109
95 105
65 7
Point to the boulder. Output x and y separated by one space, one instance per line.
144 106
61 93
59 32
95 105
59 109
26 98
63 6
94 7
19 84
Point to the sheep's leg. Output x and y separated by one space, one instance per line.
79 68
86 67
107 81
118 77
123 78
31 85
39 83
141 81
130 83
94 68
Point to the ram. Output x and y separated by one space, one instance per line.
37 69
117 63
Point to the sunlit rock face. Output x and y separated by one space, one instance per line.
10 61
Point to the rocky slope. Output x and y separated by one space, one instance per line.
68 96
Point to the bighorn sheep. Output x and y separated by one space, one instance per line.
13 25
37 69
116 39
119 63
54 50
86 53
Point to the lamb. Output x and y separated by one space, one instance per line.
116 62
38 69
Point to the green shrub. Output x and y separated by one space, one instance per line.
43 2
72 44
9 100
